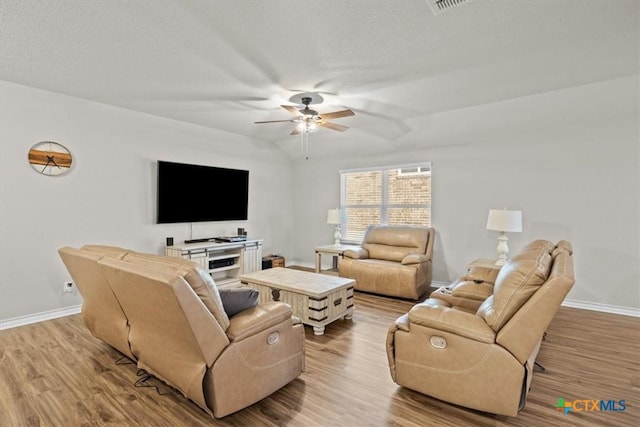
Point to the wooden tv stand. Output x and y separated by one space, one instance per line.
224 261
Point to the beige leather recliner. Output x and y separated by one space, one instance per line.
392 260
177 330
484 359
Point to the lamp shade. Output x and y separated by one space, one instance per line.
334 216
504 220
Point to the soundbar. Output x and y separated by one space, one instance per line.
232 239
207 239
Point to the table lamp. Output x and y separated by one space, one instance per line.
334 217
504 221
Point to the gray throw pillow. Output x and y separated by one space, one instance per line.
235 300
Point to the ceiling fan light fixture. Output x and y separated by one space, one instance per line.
312 126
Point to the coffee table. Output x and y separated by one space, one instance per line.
317 299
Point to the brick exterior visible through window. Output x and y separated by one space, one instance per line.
399 195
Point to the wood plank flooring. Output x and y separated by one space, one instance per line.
55 373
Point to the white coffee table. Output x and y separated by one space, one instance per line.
317 299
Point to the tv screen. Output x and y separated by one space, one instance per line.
195 193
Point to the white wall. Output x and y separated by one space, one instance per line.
568 159
109 195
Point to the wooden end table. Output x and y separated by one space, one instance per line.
336 251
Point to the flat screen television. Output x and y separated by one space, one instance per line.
196 193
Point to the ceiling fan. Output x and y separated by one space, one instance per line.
308 120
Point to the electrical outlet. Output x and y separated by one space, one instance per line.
68 287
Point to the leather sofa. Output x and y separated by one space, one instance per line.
483 359
166 314
392 260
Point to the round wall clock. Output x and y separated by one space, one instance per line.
50 158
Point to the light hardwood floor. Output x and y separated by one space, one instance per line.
55 373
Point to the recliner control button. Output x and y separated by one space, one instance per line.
273 338
438 342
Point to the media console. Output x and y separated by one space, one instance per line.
225 261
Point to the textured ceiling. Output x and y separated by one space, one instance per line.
227 64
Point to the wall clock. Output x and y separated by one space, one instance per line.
50 158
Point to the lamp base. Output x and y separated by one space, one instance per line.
336 236
503 249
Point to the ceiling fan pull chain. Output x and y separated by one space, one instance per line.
306 145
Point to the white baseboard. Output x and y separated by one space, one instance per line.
301 263
437 284
39 317
605 308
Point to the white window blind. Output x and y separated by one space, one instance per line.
389 195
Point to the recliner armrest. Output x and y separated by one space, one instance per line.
472 290
256 319
414 259
433 315
359 253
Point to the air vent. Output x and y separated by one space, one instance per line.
439 6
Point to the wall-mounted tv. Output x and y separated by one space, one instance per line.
196 193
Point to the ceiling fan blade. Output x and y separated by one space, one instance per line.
337 114
295 131
333 126
293 110
273 121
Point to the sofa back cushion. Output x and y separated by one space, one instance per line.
519 278
393 243
199 280
101 311
521 334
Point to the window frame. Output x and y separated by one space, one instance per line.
423 168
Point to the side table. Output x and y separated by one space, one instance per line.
336 251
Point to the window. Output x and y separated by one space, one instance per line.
390 195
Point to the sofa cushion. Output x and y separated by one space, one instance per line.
359 253
394 243
199 280
235 300
518 279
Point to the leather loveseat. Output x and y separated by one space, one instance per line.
392 260
166 314
483 359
